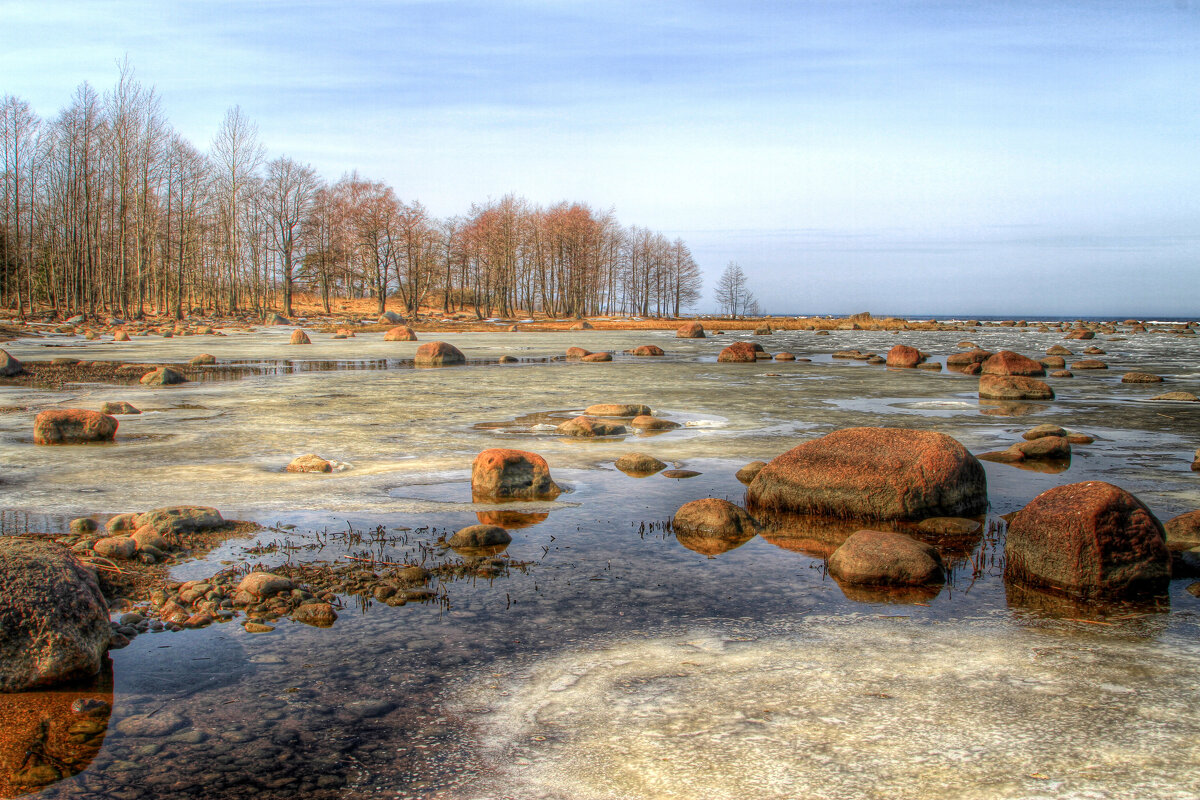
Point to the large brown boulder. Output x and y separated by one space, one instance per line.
1013 387
976 356
1091 541
480 536
502 474
884 558
712 526
639 464
163 376
646 350
299 337
690 330
873 473
9 365
309 463
73 426
1006 362
904 356
740 353
400 333
597 357
438 354
180 519
53 619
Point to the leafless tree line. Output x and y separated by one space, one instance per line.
105 209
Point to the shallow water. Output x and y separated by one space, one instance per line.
618 663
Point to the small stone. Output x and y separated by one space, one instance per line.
310 463
679 473
264 584
639 464
256 627
120 547
118 407
82 526
319 615
747 473
480 536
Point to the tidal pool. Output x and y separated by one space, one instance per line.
615 662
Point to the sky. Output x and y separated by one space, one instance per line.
1016 157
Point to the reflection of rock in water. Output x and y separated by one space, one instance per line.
712 544
817 537
841 708
1055 606
511 519
46 736
1009 409
899 595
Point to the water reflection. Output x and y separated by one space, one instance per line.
895 595
712 544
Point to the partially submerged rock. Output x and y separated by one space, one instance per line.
1089 363
690 330
299 337
617 410
646 422
503 474
480 536
1013 387
740 353
9 365
438 354
646 350
1181 397
1046 429
873 473
203 360
180 519
587 426
73 426
639 464
885 558
163 376
903 356
118 407
1006 362
264 584
596 357
53 618
1092 541
400 333
1140 377
310 463
749 472
712 526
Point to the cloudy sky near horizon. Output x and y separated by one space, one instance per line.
1010 157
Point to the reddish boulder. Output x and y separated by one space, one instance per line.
646 422
400 333
597 357
873 473
1089 363
976 356
1013 387
711 526
884 558
690 330
1006 362
646 350
299 337
438 354
587 426
502 474
739 352
73 426
309 463
577 352
904 356
1091 541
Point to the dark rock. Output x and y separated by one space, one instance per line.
873 473
1088 540
9 366
54 622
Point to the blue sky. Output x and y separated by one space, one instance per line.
913 157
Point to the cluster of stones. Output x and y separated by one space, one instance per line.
1047 442
148 537
262 596
597 420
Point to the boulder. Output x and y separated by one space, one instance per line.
646 422
480 536
264 584
502 474
903 356
586 426
1186 397
1140 377
577 352
1080 334
400 333
1094 351
180 519
885 558
617 410
1089 363
680 474
148 536
690 330
163 376
122 523
639 464
9 366
582 325
54 623
646 350
713 516
1183 532
1043 430
203 360
438 354
749 472
1013 387
118 407
299 337
739 353
276 319
119 547
390 318
1058 350
1062 373
1046 448
82 526
318 615
73 426
310 463
1053 362
873 473
507 359
1091 541
1006 362
949 526
785 356
976 356
597 357
120 336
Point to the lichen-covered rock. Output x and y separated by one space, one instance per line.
53 619
873 473
118 547
180 519
503 474
73 426
1092 541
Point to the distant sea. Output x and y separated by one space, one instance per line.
1031 318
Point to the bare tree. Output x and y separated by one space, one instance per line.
732 293
290 189
237 155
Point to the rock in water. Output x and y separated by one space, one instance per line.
617 410
639 464
690 330
1013 387
180 519
586 426
438 354
646 422
310 463
73 426
712 515
163 376
903 356
1006 362
319 615
480 536
1091 541
53 619
596 357
299 337
646 350
740 353
502 474
9 366
748 473
884 558
401 333
873 473
119 407
203 360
